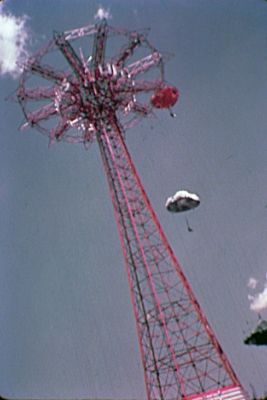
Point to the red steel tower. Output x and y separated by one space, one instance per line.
98 98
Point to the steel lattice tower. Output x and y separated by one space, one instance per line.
98 98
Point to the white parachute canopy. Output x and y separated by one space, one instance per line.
182 201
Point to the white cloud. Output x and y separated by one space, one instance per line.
259 301
13 39
252 283
102 14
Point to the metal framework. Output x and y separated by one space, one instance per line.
97 99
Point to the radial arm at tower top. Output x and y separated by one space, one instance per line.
95 98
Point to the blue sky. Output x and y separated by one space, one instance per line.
66 323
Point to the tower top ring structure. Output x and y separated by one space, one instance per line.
87 85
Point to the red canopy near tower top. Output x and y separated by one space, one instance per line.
165 97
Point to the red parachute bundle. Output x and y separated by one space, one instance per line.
165 97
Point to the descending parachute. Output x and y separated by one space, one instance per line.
165 97
258 336
182 201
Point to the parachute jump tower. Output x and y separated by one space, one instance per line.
96 98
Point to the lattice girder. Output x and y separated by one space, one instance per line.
186 358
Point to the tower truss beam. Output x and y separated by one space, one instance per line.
181 356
